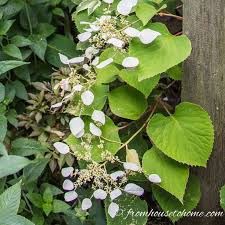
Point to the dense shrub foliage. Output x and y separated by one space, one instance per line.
100 136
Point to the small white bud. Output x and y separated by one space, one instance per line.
87 97
155 178
61 148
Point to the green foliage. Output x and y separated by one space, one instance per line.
169 204
9 204
130 208
222 197
16 164
135 114
174 175
186 136
126 102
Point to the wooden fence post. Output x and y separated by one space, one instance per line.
204 84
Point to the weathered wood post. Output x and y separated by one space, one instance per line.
204 84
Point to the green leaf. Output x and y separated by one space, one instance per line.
33 171
23 73
145 87
11 116
5 26
35 199
10 199
3 127
155 58
109 131
20 41
174 175
27 147
45 29
21 91
145 12
39 45
3 150
47 195
15 220
170 204
12 50
222 197
47 208
131 204
12 8
186 136
2 92
60 44
127 102
16 164
2 2
59 206
9 65
100 92
175 72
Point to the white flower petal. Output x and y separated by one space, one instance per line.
100 194
116 42
68 185
76 60
134 189
105 63
68 171
103 18
98 116
86 67
108 1
86 204
61 148
80 134
76 125
87 97
94 27
132 32
115 193
70 196
64 59
130 62
64 84
77 87
113 209
155 178
117 174
147 36
131 2
90 52
124 9
84 36
131 166
57 105
95 62
95 130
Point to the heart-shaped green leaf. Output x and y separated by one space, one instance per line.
170 204
127 102
186 136
173 174
165 52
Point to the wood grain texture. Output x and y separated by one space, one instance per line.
204 84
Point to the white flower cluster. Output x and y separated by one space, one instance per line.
101 193
104 185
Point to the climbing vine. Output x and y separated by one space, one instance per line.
114 118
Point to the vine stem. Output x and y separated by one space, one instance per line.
171 15
141 128
113 141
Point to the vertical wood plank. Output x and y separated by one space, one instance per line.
204 84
